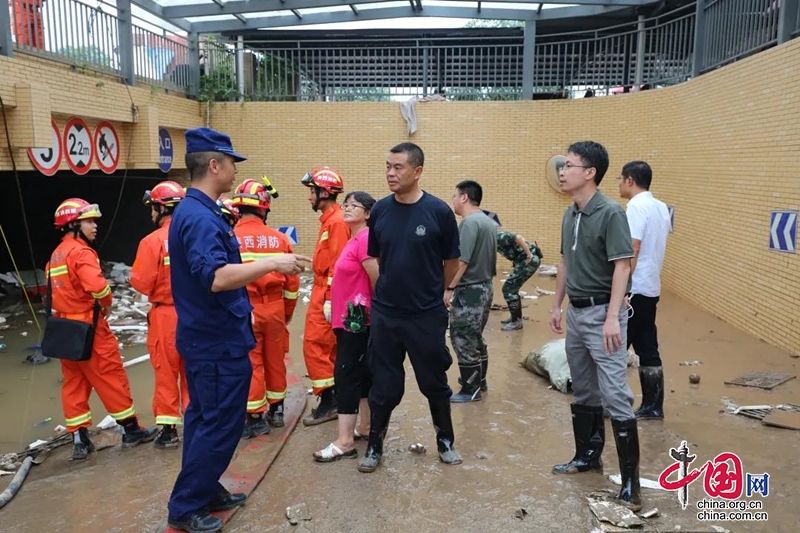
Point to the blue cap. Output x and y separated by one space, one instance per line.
208 140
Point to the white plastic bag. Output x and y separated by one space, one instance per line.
550 362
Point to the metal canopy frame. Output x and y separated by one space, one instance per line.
221 16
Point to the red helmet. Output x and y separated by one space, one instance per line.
73 209
167 193
251 193
325 178
227 208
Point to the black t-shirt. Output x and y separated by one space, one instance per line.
411 241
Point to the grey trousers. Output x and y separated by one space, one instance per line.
598 377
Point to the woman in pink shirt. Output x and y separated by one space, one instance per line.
354 276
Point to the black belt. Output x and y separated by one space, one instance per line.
580 303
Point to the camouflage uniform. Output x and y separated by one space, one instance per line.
521 273
469 312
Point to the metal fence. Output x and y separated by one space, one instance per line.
87 37
737 28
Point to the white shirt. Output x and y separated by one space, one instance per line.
649 221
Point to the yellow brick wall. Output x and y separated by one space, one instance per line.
93 97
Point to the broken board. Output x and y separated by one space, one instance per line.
761 380
783 419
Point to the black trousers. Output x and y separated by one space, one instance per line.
423 338
351 372
642 331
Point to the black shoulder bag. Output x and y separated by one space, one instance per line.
67 339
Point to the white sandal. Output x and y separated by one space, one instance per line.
333 453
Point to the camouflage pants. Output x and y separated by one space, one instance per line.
517 278
469 312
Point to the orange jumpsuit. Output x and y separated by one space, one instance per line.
150 275
28 22
274 297
319 342
77 280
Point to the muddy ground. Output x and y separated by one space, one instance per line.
509 442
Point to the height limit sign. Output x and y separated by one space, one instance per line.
165 151
79 146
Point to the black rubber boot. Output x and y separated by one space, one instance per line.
445 437
626 436
588 427
167 437
275 415
225 501
379 423
325 411
652 380
82 445
484 369
470 385
136 434
255 425
515 308
199 522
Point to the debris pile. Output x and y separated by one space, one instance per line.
306 283
128 317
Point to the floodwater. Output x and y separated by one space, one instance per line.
509 442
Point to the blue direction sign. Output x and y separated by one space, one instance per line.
291 232
165 151
783 231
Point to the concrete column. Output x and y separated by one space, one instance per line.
240 66
194 64
698 53
528 59
6 45
125 30
787 20
641 41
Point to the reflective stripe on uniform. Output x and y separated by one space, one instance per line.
58 271
174 420
102 294
330 279
166 263
257 404
276 395
322 383
78 420
324 236
290 295
122 415
248 257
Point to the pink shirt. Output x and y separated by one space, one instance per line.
350 280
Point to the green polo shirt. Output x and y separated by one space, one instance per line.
591 240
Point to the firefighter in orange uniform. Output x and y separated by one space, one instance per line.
78 282
319 341
28 22
150 275
273 297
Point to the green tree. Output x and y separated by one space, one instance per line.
87 55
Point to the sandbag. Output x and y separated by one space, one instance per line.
550 362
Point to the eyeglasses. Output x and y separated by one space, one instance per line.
569 165
348 207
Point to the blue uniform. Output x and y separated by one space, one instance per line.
214 337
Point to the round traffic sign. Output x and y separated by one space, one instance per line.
47 160
106 147
78 145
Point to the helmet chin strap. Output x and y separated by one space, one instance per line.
161 210
317 192
75 228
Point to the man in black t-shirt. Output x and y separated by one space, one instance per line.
414 238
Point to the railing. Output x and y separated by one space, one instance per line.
737 28
87 37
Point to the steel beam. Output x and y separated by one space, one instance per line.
788 20
154 8
528 59
207 9
641 36
125 31
6 44
240 66
194 64
699 52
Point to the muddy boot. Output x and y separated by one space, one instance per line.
445 437
167 437
484 369
470 385
224 501
275 415
326 409
37 359
255 425
199 522
82 445
589 430
626 435
134 434
515 323
652 379
379 423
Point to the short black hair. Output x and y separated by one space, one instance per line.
416 158
640 172
363 198
197 163
594 155
251 210
472 189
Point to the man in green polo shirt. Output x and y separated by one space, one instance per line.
594 272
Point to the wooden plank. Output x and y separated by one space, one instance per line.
783 419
